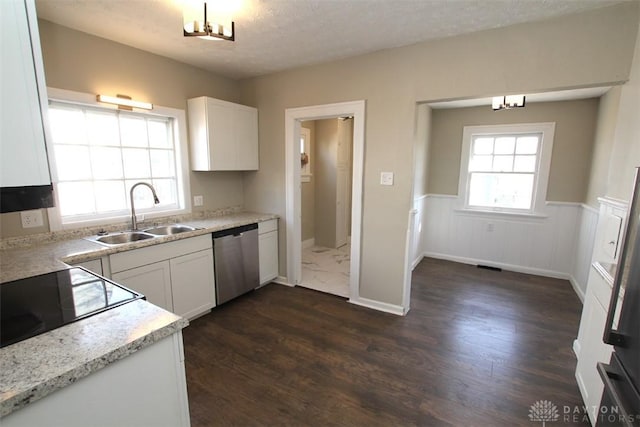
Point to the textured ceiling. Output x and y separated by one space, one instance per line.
273 35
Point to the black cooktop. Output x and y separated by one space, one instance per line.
38 304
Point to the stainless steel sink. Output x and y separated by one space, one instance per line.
169 229
126 237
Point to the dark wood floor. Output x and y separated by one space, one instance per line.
478 348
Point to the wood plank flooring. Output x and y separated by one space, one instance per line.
478 348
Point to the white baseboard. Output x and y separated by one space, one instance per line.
380 306
576 288
309 243
504 266
511 267
517 268
416 261
281 280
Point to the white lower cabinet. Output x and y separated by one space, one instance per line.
192 282
146 388
268 250
152 280
94 265
177 276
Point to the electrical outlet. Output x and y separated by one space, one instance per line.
31 219
490 227
386 178
198 200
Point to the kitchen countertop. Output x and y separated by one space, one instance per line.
20 262
34 368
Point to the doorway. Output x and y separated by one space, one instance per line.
293 125
326 150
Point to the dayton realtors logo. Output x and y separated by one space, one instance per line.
546 411
543 411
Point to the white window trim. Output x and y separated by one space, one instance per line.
542 176
182 158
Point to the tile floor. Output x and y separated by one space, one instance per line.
327 270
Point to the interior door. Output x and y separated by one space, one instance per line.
343 181
342 214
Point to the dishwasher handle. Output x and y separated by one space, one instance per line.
235 232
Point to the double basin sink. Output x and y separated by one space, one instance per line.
135 236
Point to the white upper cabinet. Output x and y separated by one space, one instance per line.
223 135
23 156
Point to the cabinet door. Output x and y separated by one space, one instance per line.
153 280
592 351
268 255
246 136
220 124
223 135
193 283
23 158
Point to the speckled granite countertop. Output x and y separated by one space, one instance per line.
20 262
34 368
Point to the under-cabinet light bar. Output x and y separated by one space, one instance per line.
124 101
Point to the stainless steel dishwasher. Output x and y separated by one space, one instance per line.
235 253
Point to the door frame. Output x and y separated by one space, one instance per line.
293 119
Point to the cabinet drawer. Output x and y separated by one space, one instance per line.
267 226
160 252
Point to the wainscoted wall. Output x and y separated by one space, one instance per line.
419 235
585 238
557 245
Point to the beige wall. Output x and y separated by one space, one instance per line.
587 49
325 176
308 188
625 155
572 146
603 144
80 62
421 147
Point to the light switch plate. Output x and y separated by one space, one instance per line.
198 200
386 178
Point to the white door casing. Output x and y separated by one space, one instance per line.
293 117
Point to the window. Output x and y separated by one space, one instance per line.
99 153
505 168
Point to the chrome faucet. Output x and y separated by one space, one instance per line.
134 222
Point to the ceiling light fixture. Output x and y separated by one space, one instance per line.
507 102
197 24
124 102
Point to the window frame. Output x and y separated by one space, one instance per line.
179 125
541 174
